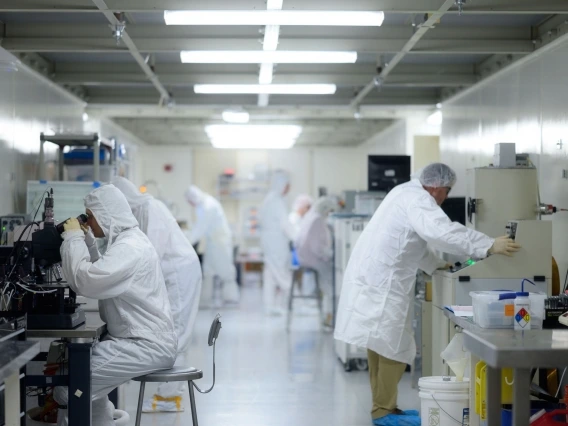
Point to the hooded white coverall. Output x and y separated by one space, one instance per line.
133 301
302 202
314 245
212 225
275 237
378 287
182 274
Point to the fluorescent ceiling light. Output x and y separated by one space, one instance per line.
262 57
270 89
253 136
235 116
274 4
275 17
435 119
265 75
271 34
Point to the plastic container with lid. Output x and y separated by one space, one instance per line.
495 309
490 312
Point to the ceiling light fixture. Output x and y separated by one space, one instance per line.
275 17
253 136
263 57
270 89
237 116
271 34
265 75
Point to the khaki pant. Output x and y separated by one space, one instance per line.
385 375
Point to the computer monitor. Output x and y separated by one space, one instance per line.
387 171
454 207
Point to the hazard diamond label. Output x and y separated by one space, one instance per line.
522 317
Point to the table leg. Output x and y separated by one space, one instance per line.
12 399
80 395
494 397
521 397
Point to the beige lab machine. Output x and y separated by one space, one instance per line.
496 272
497 195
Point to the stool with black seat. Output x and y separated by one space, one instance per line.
297 274
181 374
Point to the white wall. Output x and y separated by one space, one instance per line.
526 105
171 184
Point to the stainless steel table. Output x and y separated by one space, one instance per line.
80 343
13 356
521 351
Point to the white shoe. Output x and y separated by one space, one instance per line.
158 404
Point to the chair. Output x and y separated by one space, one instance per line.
297 281
181 374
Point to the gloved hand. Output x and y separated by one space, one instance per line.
72 225
89 237
504 245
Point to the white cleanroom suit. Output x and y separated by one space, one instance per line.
212 226
300 208
378 286
314 245
182 274
133 301
275 236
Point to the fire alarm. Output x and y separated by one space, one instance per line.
168 167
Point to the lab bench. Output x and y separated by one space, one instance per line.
519 350
80 343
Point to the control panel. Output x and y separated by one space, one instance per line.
458 266
7 226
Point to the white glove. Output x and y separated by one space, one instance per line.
90 239
504 245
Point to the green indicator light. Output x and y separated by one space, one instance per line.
470 262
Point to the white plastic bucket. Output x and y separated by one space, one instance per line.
443 403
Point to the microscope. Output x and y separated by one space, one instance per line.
31 279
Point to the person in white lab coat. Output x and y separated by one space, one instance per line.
182 274
133 301
275 236
301 205
213 227
378 286
314 245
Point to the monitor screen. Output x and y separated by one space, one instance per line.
387 171
454 207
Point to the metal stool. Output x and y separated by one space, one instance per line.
297 274
181 374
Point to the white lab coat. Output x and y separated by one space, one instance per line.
128 282
275 237
212 227
378 287
180 267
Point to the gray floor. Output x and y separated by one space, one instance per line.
267 377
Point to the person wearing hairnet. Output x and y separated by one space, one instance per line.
182 274
300 207
275 236
315 249
378 287
133 302
212 226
